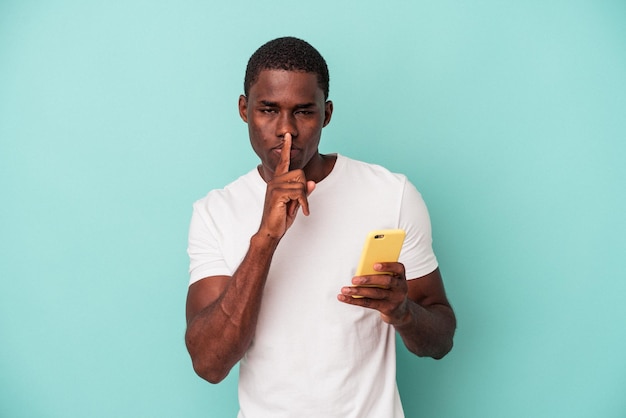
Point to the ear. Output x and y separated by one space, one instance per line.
328 112
243 108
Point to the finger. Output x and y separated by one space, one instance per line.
395 269
302 200
292 207
384 281
370 292
285 157
310 186
362 300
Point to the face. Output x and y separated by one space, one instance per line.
282 102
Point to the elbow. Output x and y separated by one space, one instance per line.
437 348
435 352
444 349
445 344
446 341
207 366
210 373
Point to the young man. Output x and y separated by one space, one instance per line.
273 287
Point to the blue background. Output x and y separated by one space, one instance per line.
510 117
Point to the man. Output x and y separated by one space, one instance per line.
273 287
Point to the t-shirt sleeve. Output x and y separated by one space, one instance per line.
205 254
417 253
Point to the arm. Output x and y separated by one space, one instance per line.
429 327
418 308
222 311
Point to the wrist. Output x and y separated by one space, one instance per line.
264 240
404 317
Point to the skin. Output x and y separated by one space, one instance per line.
285 112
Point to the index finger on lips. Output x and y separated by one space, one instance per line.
285 157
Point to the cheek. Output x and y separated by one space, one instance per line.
258 130
257 141
253 128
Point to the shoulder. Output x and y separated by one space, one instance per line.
370 172
242 188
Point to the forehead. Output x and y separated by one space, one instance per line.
273 85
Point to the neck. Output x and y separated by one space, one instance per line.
319 167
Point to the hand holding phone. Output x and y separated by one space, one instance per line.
381 246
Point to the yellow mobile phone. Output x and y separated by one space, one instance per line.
380 247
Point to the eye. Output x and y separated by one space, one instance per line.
267 110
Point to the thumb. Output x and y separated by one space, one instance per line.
310 186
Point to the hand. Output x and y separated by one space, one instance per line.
286 192
389 296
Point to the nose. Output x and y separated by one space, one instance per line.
286 124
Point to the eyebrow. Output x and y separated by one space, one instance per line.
298 106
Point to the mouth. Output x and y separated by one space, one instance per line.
279 149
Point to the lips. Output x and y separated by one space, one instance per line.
279 150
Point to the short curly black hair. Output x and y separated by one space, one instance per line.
287 53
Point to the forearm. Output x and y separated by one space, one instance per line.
427 331
219 335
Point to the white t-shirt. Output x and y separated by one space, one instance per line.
313 356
